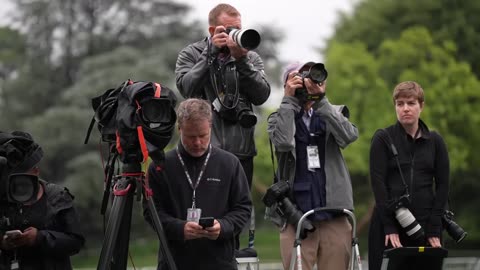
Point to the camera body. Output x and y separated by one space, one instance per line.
123 111
240 112
315 72
248 38
278 193
405 218
454 230
232 105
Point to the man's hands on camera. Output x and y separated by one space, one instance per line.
221 39
193 230
295 81
26 238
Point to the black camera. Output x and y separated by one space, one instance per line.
17 187
240 111
248 38
454 230
18 153
405 217
315 72
278 193
133 116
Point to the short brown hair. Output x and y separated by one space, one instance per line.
218 10
194 109
408 89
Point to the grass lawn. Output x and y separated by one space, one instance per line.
143 252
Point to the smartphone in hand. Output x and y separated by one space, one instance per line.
206 222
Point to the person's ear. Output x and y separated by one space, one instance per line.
211 30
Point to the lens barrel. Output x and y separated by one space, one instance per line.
409 223
248 39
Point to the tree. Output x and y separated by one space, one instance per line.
376 20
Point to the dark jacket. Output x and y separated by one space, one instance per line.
58 235
193 80
222 194
425 168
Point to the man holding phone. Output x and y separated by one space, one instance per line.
42 230
200 193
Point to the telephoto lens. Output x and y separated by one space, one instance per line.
409 223
454 230
248 39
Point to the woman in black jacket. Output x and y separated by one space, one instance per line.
421 174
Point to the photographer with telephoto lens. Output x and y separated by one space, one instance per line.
308 133
223 70
409 170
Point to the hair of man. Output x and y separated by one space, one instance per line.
194 109
218 10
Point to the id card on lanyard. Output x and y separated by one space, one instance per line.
194 213
313 159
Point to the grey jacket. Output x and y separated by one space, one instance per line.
193 80
340 133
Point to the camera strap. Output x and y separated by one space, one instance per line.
204 166
395 155
223 74
275 179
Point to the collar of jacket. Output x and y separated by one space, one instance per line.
421 125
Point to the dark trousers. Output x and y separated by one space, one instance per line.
247 165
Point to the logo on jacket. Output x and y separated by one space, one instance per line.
213 179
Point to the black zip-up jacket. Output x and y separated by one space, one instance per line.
222 194
192 74
58 235
425 167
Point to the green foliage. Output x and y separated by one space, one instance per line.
12 50
374 21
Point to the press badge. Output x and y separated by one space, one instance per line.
193 214
312 157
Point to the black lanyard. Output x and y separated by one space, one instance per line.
199 175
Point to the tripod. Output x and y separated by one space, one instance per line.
115 244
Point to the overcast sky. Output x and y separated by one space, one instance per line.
306 23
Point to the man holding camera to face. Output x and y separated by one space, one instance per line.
308 132
39 222
224 70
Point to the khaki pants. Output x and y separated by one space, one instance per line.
329 246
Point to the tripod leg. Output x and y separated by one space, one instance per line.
251 231
161 235
119 221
